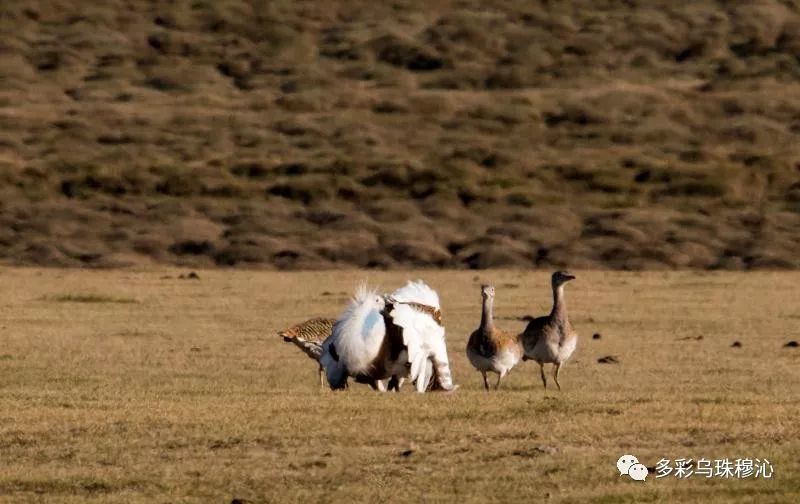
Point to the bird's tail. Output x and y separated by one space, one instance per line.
427 350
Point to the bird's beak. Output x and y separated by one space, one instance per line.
570 277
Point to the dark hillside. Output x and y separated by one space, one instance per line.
475 133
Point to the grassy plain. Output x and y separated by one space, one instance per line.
138 386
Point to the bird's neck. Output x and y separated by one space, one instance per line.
559 304
487 321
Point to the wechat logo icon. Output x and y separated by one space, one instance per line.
629 465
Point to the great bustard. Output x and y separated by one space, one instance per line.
308 336
389 337
551 339
489 347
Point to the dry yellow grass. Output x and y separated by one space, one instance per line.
184 393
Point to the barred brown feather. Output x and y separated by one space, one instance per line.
434 312
314 330
308 336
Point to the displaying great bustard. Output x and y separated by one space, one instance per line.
551 339
308 336
389 338
490 349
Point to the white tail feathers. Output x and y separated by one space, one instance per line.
359 333
423 336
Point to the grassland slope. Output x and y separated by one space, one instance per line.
460 134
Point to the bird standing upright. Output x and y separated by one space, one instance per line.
490 348
551 339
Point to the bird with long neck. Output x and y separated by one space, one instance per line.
487 310
551 339
559 311
490 348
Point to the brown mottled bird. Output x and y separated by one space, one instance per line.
551 338
308 336
489 347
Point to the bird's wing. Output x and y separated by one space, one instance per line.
533 331
417 292
312 348
413 325
315 330
424 340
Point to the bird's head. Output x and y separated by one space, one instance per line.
487 291
378 302
560 278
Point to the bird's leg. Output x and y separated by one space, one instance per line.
395 382
499 378
544 380
485 381
555 374
321 379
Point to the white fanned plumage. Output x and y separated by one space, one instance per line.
422 335
360 345
356 338
417 292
